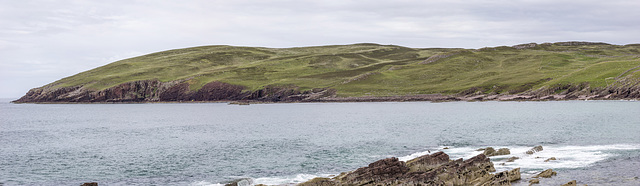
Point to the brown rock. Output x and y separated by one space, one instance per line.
534 181
489 151
381 171
546 174
535 149
428 162
571 183
550 159
90 184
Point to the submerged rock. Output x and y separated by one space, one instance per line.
550 159
535 149
571 183
432 169
512 159
90 184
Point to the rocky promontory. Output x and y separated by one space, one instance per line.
432 169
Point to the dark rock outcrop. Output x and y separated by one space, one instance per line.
180 91
433 169
174 91
90 184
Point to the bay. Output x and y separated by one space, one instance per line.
596 142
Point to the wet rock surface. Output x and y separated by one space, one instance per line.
489 151
432 169
535 149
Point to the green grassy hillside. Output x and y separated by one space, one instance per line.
376 70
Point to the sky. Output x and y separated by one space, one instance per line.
44 41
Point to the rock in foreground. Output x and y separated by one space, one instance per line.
432 169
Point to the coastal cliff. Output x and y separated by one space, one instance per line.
360 72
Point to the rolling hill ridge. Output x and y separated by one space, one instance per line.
359 72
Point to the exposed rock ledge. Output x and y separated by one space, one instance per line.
179 91
433 169
174 91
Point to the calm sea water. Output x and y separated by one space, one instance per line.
595 142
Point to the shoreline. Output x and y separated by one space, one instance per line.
417 98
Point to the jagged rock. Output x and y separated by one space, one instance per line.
428 162
550 159
534 181
432 169
385 170
511 175
489 151
571 183
535 149
546 174
90 184
512 159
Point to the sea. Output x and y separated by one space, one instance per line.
594 142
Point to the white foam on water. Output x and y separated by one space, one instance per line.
453 152
414 155
293 179
205 183
566 156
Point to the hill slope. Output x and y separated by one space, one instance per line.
359 72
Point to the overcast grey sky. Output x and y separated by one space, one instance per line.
43 41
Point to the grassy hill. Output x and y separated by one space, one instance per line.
377 70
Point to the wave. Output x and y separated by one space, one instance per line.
283 180
567 157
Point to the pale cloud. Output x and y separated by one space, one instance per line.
43 41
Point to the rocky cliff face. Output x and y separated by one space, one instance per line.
178 91
157 91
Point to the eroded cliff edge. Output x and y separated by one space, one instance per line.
174 91
179 91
